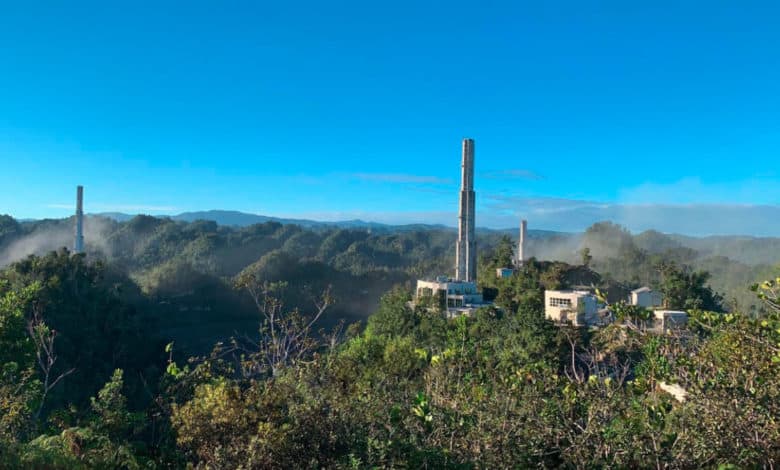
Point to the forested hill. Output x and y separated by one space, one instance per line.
243 219
189 267
165 345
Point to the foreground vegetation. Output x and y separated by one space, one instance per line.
90 379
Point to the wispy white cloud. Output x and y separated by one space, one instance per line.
132 208
513 174
694 190
431 190
384 217
537 205
401 178
686 218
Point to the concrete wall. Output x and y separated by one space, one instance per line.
669 320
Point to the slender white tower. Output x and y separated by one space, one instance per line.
466 253
78 246
521 243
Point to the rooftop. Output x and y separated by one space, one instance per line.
445 279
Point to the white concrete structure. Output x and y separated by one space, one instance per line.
78 245
466 252
669 320
646 297
457 297
579 308
520 261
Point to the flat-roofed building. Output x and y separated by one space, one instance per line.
456 297
579 308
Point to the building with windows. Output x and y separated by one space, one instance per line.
578 308
451 295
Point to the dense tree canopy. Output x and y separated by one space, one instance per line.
87 381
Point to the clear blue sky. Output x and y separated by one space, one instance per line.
356 109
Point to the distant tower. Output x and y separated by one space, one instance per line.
466 254
78 246
521 243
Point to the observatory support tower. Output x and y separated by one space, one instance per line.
78 246
521 243
466 253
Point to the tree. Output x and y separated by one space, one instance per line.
686 289
110 408
19 389
285 336
15 345
104 442
503 254
394 316
586 257
46 357
81 324
769 293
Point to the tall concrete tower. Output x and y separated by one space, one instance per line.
521 243
466 254
78 246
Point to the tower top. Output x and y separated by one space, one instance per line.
467 165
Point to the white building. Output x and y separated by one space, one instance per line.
580 308
457 297
669 320
646 297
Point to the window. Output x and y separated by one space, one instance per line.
558 302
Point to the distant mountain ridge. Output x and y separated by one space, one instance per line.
244 219
562 217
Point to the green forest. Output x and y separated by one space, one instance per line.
194 345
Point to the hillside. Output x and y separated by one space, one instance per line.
412 389
550 244
243 219
189 267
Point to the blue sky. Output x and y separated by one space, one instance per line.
335 110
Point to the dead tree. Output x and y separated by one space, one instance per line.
286 336
44 337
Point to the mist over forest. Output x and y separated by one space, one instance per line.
189 268
172 343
